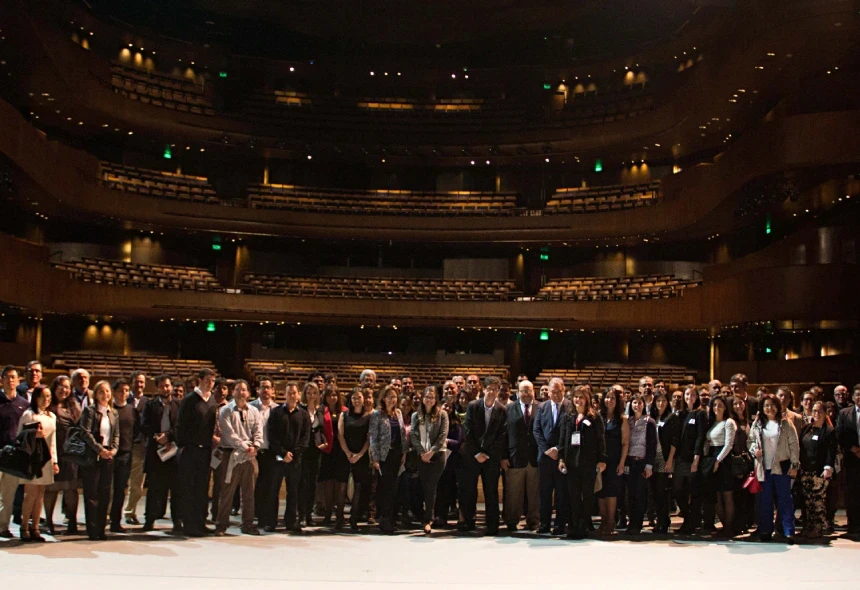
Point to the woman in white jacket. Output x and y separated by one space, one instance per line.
774 444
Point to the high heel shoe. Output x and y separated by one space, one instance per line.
25 534
428 528
34 534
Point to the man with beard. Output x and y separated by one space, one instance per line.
33 378
158 427
135 485
473 387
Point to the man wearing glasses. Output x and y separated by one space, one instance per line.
33 378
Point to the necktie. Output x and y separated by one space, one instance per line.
527 413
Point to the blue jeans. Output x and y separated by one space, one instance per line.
776 488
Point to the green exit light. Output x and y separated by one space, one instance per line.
547 86
598 166
544 256
768 350
167 153
222 74
767 226
216 247
544 335
210 327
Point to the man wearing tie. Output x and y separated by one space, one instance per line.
484 449
521 481
547 425
848 435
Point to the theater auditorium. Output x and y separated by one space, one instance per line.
475 294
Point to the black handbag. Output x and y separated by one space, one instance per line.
742 465
76 450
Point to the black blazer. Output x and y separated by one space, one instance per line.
481 437
846 434
592 443
150 425
691 437
547 434
521 445
669 433
825 449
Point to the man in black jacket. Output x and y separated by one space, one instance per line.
195 427
484 449
289 429
848 435
521 482
158 426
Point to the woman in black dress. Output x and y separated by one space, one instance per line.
617 435
332 455
65 407
353 430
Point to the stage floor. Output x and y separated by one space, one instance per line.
321 560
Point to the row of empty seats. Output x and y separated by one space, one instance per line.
615 289
113 366
602 198
582 114
603 375
379 288
157 183
156 276
160 90
382 201
348 373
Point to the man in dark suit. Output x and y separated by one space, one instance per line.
157 425
738 387
484 449
848 434
521 480
547 426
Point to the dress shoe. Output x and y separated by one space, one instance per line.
544 530
35 536
558 531
492 532
296 528
132 520
7 534
177 530
148 526
115 528
253 531
234 512
220 532
49 529
269 529
309 520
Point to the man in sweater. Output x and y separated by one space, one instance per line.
241 433
195 429
289 434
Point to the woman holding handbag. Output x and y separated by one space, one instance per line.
774 444
387 452
34 489
742 467
429 436
100 429
817 459
582 455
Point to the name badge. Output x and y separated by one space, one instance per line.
814 437
692 421
661 424
587 422
574 439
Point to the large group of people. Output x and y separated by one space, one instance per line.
576 463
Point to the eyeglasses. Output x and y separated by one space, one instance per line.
472 381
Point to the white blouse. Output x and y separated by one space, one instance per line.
770 434
722 434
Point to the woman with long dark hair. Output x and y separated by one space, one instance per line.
317 445
775 446
741 462
664 462
581 457
332 459
100 425
387 452
717 479
640 461
65 407
34 489
617 436
449 482
817 458
429 434
691 445
353 430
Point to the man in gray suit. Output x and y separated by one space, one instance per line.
521 480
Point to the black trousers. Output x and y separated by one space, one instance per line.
218 477
429 475
121 474
580 493
310 472
194 486
386 486
637 490
852 495
446 492
488 472
266 469
661 488
162 480
291 473
96 480
552 482
688 494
